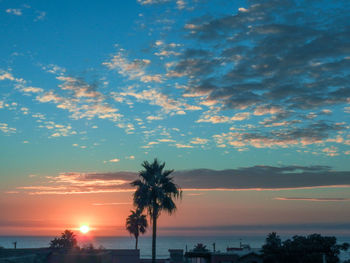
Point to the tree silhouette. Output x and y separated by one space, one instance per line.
272 249
200 248
155 192
67 240
302 249
136 224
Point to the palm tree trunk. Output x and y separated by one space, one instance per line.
154 237
137 241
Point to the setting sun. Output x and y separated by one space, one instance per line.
84 229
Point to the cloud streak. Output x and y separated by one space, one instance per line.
311 199
256 178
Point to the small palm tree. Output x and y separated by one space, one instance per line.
136 224
155 192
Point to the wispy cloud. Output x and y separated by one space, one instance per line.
135 69
115 160
151 2
179 145
14 11
199 141
312 199
5 128
109 204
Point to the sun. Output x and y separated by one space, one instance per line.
84 229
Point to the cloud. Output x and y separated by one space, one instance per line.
156 97
199 141
57 130
166 140
5 128
81 99
82 183
263 177
315 133
79 87
154 118
41 15
151 2
109 204
6 75
49 97
311 199
255 178
179 145
286 60
331 151
208 117
181 4
114 160
14 11
132 69
32 89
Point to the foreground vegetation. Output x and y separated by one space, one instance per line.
302 249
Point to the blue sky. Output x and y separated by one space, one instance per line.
98 87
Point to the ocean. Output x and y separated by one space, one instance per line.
145 242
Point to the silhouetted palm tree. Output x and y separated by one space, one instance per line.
136 224
155 192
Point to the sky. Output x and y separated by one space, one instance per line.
248 101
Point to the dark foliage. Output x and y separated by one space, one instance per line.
66 241
200 248
301 249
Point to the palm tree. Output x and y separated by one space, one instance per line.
136 224
155 192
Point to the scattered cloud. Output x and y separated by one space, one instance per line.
116 160
57 130
155 97
14 11
251 60
179 145
331 151
151 2
199 141
40 15
154 118
6 75
5 128
132 69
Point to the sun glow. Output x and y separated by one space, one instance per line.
84 229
